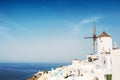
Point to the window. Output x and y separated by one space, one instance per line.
104 62
89 59
108 77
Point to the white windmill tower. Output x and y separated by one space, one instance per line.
104 43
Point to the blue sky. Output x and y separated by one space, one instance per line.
53 30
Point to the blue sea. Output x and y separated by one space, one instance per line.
23 71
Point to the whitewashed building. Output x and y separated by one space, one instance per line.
104 65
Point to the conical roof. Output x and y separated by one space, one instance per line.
104 34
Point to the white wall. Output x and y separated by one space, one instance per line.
115 56
75 61
104 44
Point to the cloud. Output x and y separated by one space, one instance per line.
6 20
17 26
90 20
82 26
8 27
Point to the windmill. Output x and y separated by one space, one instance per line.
94 37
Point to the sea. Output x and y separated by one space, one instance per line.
23 71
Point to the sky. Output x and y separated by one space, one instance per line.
50 31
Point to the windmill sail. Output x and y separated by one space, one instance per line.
93 37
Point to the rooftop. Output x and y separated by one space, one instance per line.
104 34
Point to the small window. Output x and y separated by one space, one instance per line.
104 62
89 59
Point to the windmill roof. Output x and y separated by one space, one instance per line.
104 34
